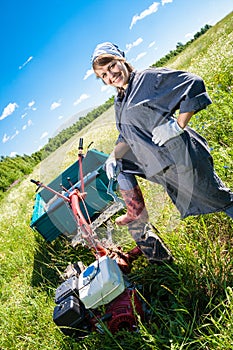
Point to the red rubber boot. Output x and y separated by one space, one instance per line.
135 205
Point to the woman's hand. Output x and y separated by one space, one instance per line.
111 166
165 132
171 129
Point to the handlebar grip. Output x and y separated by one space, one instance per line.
34 182
38 183
80 143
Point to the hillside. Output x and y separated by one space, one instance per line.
191 301
14 169
73 119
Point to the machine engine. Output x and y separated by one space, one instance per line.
77 312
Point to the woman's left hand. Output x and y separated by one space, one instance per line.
111 167
165 132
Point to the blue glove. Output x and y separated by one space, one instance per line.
165 132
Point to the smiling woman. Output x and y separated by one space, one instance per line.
155 144
113 72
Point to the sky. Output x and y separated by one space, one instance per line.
46 47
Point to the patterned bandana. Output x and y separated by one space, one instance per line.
106 48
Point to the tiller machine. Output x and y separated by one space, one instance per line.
76 205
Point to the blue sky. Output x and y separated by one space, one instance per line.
45 67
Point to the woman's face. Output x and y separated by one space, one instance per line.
114 73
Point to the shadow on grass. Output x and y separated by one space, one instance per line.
51 259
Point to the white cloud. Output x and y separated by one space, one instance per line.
60 117
80 99
166 1
151 44
45 134
23 115
15 134
135 43
26 62
29 123
30 104
13 154
142 54
55 105
189 35
5 138
88 74
151 9
8 110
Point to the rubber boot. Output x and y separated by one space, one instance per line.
135 205
149 243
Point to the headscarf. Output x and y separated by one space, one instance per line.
106 48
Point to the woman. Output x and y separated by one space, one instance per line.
153 143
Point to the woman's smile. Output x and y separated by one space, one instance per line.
114 74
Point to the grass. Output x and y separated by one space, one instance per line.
190 302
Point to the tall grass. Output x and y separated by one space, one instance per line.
190 302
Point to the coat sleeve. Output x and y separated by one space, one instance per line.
120 139
181 90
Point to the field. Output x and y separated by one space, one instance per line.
190 301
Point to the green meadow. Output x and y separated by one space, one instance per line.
190 302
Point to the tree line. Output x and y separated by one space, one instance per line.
180 47
14 169
66 134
